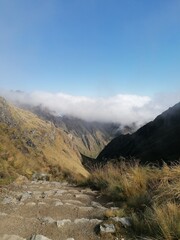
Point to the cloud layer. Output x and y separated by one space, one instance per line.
122 108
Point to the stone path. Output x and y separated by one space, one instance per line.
57 211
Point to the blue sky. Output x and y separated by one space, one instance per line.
94 48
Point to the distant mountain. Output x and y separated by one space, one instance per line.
156 141
89 137
29 144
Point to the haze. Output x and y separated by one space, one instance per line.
99 60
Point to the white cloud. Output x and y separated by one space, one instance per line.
122 108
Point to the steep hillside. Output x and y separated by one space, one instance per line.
89 137
29 144
157 140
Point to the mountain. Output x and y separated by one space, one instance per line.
29 144
156 141
89 137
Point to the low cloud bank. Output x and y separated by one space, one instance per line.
122 108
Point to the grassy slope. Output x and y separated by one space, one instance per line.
89 137
149 196
29 144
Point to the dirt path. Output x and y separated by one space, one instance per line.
56 210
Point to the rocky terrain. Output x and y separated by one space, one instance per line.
41 210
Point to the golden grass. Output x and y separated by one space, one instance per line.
50 146
150 196
167 217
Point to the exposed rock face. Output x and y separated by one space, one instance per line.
156 141
5 113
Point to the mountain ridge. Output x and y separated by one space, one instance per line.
157 141
89 137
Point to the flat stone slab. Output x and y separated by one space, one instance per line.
58 203
48 220
82 196
86 208
39 237
31 204
61 223
74 202
87 220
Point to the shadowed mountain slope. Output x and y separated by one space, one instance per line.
29 144
156 141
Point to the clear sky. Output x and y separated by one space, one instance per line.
90 47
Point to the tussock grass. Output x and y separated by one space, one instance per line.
150 196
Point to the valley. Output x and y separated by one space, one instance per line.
89 120
96 182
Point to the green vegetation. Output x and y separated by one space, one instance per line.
149 196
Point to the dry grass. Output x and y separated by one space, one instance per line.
29 144
150 196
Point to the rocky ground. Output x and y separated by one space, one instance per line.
41 210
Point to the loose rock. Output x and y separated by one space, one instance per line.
48 220
3 214
25 196
31 204
40 177
124 221
39 237
107 228
58 203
